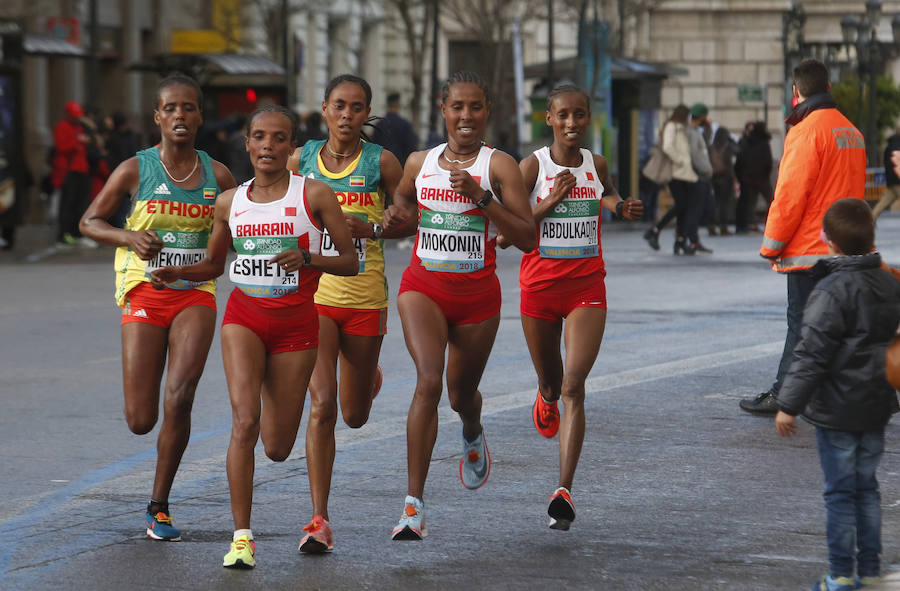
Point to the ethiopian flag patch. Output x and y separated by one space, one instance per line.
357 181
209 193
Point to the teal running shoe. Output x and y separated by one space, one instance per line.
160 527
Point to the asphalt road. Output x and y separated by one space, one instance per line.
677 488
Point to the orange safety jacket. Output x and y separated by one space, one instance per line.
824 160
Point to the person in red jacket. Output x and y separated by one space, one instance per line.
824 160
70 172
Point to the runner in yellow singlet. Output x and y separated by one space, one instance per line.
173 188
352 310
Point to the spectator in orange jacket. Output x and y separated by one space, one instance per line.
824 160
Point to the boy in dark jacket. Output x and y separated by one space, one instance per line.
837 382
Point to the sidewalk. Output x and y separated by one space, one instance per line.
36 243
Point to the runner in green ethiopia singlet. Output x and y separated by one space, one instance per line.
358 192
183 219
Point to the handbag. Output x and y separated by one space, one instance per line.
892 363
659 167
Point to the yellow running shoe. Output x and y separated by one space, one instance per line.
241 554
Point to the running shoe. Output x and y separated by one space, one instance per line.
561 509
242 553
160 527
412 521
546 416
318 536
475 465
829 583
379 378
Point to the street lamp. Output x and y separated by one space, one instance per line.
859 34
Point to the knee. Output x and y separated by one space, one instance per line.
356 417
573 390
179 397
460 399
244 430
277 452
140 424
429 387
323 411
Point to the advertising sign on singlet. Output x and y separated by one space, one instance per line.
451 242
252 272
179 248
570 230
329 250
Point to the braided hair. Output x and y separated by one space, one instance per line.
291 116
566 89
464 76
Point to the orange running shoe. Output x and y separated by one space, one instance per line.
561 509
318 536
546 416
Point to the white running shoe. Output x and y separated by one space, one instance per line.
475 465
412 523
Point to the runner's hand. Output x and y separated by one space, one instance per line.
394 216
632 209
145 243
160 277
289 260
565 181
463 183
358 228
502 242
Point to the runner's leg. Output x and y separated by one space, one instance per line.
283 395
190 336
244 357
359 364
144 349
425 332
470 347
583 334
322 416
543 338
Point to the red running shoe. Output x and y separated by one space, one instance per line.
546 416
561 509
318 536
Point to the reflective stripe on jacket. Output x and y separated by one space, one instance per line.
824 160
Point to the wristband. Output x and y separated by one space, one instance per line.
619 207
485 201
307 258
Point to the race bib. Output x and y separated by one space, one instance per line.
571 230
179 248
329 250
252 272
451 242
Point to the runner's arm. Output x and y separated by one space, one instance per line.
402 218
398 221
124 181
325 208
632 209
512 216
213 264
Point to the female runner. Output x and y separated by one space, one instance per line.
563 278
450 295
270 330
352 310
173 188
